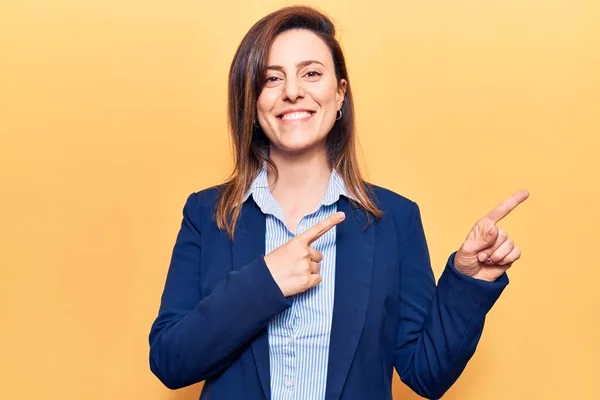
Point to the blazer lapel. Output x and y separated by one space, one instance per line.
353 272
249 244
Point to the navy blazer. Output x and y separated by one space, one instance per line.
219 297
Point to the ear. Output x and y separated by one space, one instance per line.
341 93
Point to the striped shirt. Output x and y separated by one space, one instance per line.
299 336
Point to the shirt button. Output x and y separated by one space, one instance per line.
288 383
290 339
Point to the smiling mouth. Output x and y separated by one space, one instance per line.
295 117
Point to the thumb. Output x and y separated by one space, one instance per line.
491 235
487 240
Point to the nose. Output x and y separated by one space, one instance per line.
292 90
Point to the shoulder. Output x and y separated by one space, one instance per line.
401 213
206 197
389 201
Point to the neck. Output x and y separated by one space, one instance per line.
302 175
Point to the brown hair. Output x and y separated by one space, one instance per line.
250 144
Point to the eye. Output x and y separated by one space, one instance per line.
272 81
313 74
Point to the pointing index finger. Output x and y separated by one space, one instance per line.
321 228
504 208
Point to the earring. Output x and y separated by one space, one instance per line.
256 125
339 115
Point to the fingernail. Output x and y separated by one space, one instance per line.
340 215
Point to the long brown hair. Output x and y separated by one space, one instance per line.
250 144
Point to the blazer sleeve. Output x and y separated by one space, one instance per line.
439 326
195 336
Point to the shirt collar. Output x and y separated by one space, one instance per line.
259 189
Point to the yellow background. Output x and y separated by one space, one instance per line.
113 111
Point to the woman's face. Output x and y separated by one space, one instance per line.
298 104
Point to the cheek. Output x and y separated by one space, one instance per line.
326 97
264 105
327 100
266 101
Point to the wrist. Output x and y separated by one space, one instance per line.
484 277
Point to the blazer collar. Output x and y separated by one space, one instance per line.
354 266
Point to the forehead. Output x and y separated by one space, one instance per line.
294 46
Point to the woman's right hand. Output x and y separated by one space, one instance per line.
295 265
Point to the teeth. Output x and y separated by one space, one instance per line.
296 115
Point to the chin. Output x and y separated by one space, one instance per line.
299 146
298 141
296 148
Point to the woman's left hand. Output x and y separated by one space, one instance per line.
488 251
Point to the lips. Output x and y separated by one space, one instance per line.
295 116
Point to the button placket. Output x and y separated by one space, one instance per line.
289 335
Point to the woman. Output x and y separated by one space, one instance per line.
296 279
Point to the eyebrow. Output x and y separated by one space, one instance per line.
298 65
